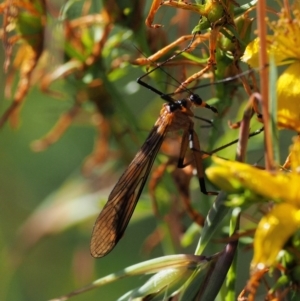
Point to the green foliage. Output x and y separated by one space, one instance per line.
78 118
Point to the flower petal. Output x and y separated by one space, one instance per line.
273 230
251 54
234 176
288 93
295 155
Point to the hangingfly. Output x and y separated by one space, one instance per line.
114 217
175 115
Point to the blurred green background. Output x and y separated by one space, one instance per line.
50 256
48 207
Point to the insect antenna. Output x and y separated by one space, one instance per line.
222 81
164 96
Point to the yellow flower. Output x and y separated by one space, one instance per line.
284 46
288 93
281 222
272 232
235 176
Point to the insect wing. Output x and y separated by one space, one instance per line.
114 217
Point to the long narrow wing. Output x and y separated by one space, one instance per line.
114 217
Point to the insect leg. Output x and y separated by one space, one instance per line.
183 149
182 178
207 154
195 148
190 138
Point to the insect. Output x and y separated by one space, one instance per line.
175 115
113 219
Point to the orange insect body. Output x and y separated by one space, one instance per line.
114 217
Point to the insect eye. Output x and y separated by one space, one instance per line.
173 106
196 99
183 103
